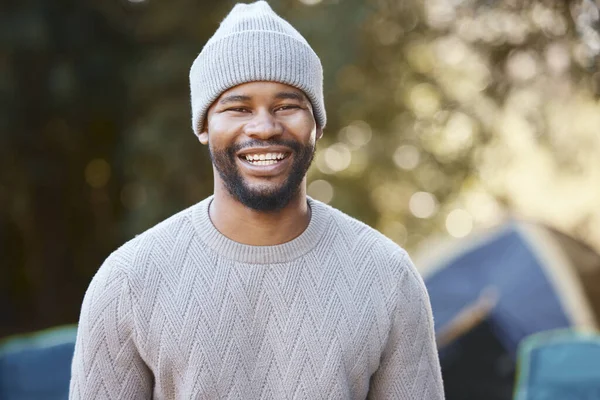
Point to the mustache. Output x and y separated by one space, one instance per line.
255 143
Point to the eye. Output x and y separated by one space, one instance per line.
287 107
238 109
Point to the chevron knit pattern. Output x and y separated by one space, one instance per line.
182 312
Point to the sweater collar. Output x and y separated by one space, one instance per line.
244 253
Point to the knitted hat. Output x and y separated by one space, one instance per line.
254 44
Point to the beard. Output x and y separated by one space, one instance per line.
267 199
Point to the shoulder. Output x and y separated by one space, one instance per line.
388 262
360 236
158 240
376 260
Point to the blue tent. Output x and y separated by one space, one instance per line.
490 291
37 366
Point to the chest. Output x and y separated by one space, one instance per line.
264 328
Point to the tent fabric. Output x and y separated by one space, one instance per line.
586 265
37 366
505 262
494 288
559 365
477 367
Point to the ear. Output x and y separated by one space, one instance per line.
319 132
203 137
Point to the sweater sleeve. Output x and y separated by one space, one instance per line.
409 368
106 363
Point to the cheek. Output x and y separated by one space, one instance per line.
304 127
217 123
220 133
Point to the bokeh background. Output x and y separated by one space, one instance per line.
445 117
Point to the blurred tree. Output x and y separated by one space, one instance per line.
471 108
64 105
441 115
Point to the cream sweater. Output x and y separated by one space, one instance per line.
183 312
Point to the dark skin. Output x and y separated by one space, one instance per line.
260 110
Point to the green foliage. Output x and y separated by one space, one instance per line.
442 114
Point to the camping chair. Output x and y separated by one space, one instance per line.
559 365
37 366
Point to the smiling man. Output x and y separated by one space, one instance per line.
257 292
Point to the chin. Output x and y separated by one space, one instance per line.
263 188
265 199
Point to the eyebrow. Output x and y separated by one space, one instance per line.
289 95
234 99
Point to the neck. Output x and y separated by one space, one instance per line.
259 228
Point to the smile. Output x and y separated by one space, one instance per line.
264 158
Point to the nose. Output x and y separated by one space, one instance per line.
263 126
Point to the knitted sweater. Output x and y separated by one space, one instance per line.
183 312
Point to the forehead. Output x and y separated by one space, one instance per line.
262 90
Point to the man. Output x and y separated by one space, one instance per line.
257 292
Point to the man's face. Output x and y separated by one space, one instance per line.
261 138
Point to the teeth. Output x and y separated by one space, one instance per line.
265 158
264 162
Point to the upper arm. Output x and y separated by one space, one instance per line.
409 366
106 363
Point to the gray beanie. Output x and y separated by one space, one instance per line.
254 44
